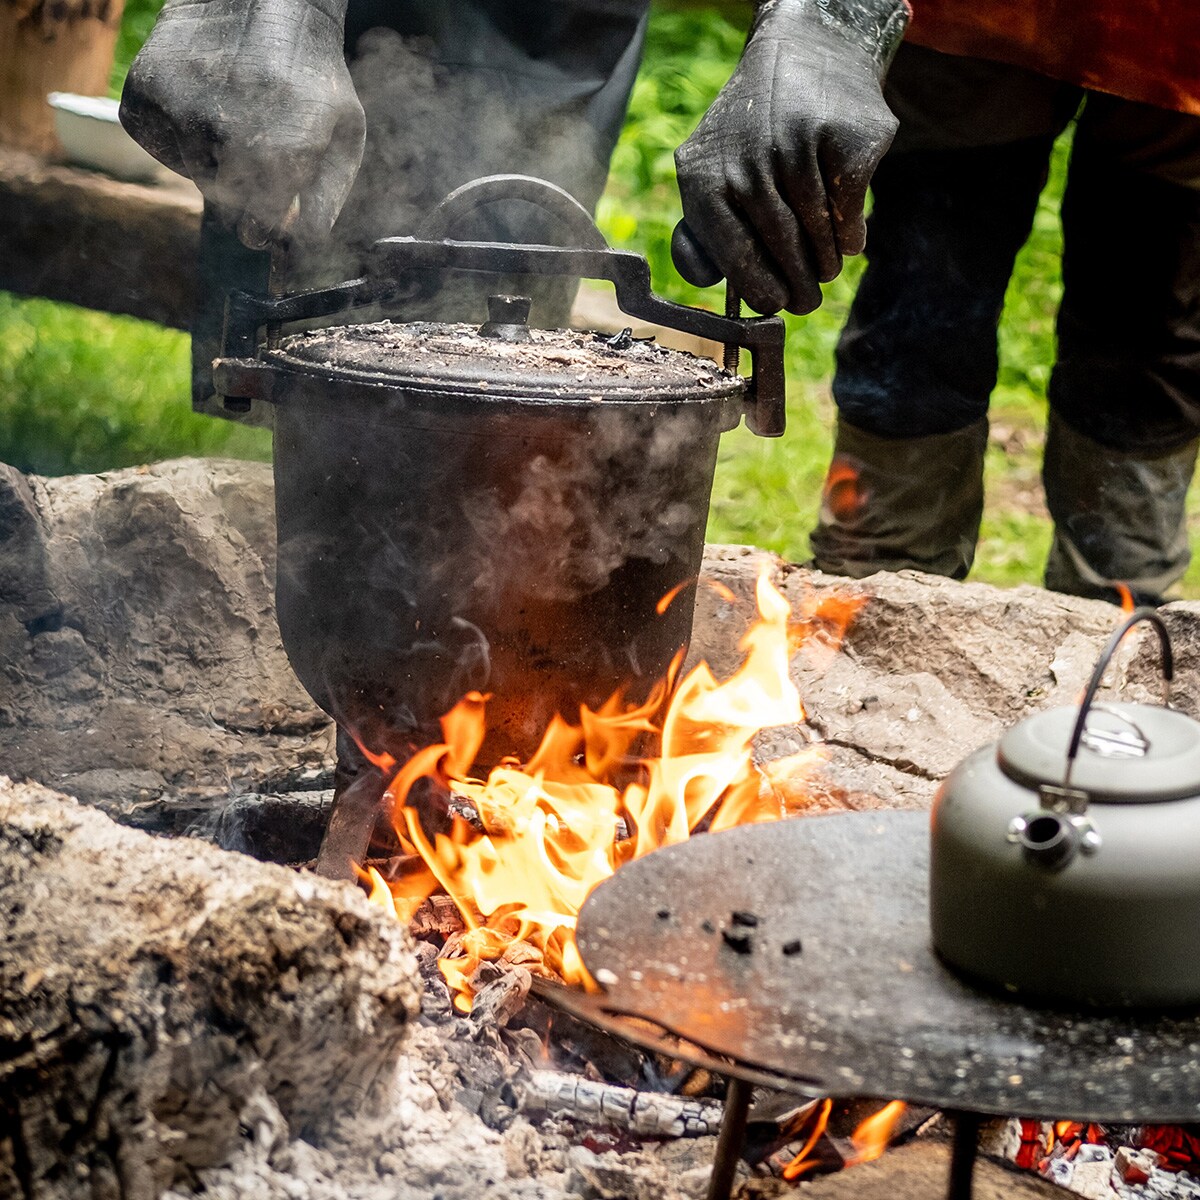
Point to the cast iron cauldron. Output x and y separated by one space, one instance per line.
1066 857
496 508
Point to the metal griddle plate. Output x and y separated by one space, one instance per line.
865 1008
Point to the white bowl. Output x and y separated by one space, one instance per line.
92 135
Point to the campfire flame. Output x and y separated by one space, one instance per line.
551 829
815 1124
870 1139
874 1135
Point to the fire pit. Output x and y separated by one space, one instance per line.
797 955
1029 648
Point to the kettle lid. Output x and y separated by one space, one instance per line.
1128 753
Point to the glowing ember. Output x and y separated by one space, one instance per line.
550 829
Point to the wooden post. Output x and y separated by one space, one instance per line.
51 46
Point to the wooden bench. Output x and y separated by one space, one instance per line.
78 236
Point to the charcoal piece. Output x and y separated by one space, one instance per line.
738 940
499 998
273 828
574 1045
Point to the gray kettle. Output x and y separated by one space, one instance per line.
1065 863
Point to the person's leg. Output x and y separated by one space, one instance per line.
953 203
1125 392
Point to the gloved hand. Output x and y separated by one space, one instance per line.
252 100
774 179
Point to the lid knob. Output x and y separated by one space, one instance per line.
508 319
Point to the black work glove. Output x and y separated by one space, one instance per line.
252 100
774 179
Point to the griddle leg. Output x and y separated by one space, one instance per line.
730 1140
962 1157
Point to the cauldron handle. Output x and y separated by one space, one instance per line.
1168 671
396 266
492 189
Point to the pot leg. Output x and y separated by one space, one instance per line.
357 803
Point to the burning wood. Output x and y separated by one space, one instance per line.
646 1114
549 830
809 1148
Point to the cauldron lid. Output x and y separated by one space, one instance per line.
561 364
1130 753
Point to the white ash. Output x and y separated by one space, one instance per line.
424 1142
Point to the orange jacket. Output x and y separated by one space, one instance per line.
1147 50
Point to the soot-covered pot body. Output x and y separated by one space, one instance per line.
458 513
1080 889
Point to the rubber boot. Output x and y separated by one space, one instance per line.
1118 518
895 503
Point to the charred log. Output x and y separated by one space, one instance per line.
646 1114
153 993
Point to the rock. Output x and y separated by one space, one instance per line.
143 668
142 664
930 669
162 1000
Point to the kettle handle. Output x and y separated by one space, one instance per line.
1168 673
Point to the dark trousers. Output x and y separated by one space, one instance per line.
954 201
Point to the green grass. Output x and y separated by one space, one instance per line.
81 391
84 391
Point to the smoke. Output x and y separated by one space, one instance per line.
629 487
433 125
